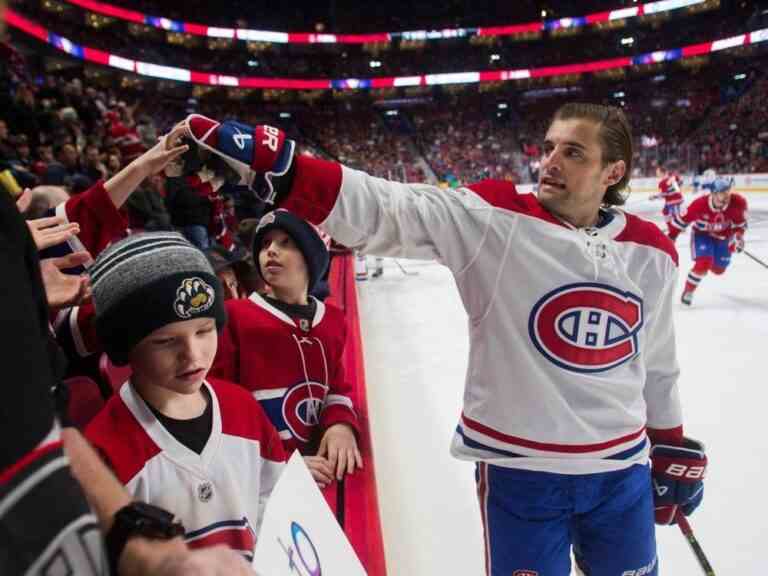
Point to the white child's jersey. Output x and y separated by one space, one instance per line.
572 347
220 494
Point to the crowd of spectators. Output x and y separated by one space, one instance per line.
65 131
666 31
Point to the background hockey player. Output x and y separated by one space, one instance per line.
719 220
572 375
670 190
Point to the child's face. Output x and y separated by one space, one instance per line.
177 356
282 263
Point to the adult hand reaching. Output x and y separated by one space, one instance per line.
62 289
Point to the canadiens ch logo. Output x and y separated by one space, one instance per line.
193 296
302 405
587 327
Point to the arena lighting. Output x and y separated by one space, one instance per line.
248 35
503 106
391 113
659 78
627 41
253 63
375 64
495 57
89 54
285 114
740 77
619 94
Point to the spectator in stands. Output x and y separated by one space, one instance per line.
227 264
190 211
65 168
159 307
93 167
146 206
49 510
44 199
286 348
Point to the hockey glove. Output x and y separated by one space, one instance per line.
261 156
736 244
678 474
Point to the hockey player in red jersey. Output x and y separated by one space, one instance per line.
670 191
286 349
199 447
719 220
572 376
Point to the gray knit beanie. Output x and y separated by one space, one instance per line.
146 281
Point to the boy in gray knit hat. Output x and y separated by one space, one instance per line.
201 448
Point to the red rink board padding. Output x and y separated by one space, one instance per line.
362 524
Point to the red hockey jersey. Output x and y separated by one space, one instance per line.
220 494
669 189
720 223
293 367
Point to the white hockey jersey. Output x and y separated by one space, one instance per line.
572 347
220 494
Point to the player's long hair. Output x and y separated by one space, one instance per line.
615 140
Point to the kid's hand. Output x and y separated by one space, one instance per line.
321 470
339 445
167 149
47 232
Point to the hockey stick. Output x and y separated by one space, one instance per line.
403 270
340 503
755 258
687 531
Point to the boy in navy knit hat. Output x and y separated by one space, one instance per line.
286 349
201 448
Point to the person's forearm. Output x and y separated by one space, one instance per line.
103 490
141 556
122 184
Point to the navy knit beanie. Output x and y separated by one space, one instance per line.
147 281
305 237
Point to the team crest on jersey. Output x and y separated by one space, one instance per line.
587 327
193 296
266 220
302 405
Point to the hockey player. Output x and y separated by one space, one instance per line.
286 349
572 376
670 191
719 220
201 448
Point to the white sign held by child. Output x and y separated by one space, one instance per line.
299 534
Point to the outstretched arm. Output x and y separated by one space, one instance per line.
167 149
371 214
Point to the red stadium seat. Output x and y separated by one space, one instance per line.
113 375
85 400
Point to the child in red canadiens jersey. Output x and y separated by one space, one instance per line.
670 191
719 220
198 447
286 349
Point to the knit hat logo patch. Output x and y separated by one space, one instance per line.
193 296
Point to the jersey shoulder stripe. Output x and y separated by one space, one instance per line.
640 231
